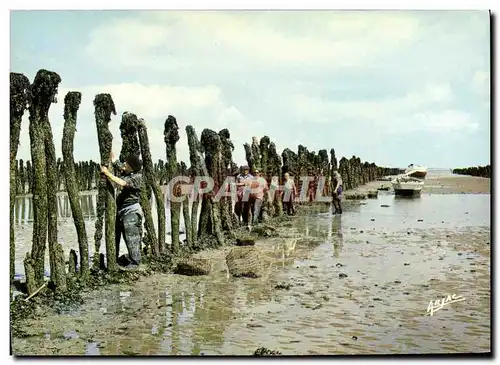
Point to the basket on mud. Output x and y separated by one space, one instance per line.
193 267
244 261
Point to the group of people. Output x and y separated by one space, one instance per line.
251 190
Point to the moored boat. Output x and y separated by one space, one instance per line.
418 171
404 185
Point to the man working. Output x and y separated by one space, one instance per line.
242 205
336 192
129 212
260 187
289 194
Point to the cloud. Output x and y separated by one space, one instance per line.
347 80
383 113
481 84
334 40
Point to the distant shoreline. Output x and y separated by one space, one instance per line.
444 184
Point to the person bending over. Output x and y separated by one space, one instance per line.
129 213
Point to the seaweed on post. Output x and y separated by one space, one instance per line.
19 98
226 203
130 146
22 176
29 176
43 93
57 261
106 205
210 219
264 156
17 179
249 156
157 246
171 133
197 168
72 102
185 209
255 154
274 169
343 171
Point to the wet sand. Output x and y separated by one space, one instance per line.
360 283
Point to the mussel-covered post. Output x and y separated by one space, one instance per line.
171 133
71 105
130 146
29 176
106 205
256 154
210 220
19 97
249 157
56 255
43 94
197 169
22 176
274 169
343 171
147 163
18 179
185 208
264 156
226 202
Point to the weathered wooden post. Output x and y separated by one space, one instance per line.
197 168
185 209
171 133
274 169
29 176
19 98
106 205
343 171
264 157
210 220
43 94
249 157
226 202
22 177
71 105
130 146
256 154
157 246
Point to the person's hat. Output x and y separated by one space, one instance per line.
246 167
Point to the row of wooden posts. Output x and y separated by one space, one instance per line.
210 155
479 171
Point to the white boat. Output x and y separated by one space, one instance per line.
417 171
405 185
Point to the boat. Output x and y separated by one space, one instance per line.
405 185
417 171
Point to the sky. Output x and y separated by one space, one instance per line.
393 88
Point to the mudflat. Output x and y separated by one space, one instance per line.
454 184
443 184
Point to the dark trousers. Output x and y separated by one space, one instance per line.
130 226
247 209
336 202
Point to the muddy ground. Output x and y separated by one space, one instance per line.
359 283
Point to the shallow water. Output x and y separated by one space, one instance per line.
66 229
395 264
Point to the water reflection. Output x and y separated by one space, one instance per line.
24 207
